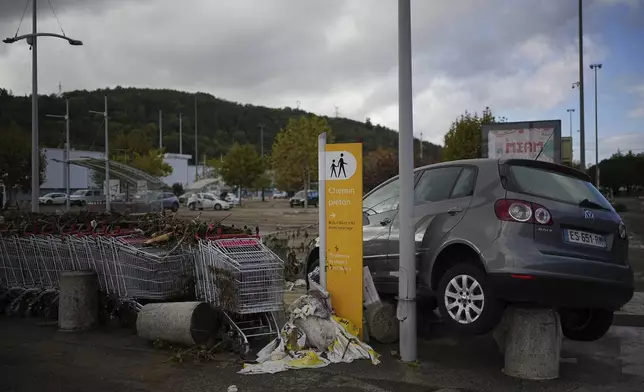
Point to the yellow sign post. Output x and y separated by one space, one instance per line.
343 209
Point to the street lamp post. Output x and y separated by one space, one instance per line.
66 174
32 40
107 156
595 67
407 268
582 119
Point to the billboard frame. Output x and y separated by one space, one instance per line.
505 126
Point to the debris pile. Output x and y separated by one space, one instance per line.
312 337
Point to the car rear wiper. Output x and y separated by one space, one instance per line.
591 204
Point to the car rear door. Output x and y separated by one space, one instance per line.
441 198
582 225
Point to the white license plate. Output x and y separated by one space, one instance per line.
582 237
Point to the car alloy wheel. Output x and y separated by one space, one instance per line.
191 206
464 299
217 207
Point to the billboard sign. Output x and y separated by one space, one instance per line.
525 140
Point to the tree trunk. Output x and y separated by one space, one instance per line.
306 191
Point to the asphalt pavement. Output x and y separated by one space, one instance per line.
34 356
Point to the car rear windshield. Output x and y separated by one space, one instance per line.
557 186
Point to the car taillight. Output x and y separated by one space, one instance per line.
622 231
522 211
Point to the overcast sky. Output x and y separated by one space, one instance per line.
519 57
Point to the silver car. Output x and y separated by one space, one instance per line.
492 232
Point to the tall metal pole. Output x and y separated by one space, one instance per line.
180 133
160 129
196 144
35 150
595 67
261 141
582 126
322 209
67 171
407 267
421 146
108 191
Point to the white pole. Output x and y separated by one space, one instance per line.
407 268
160 129
196 145
67 171
322 205
35 150
180 133
107 161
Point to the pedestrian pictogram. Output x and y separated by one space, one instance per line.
342 165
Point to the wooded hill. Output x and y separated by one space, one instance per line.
220 122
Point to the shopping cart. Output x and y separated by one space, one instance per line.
245 280
128 271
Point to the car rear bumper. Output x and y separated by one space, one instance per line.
560 291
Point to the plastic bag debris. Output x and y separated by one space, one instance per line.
308 340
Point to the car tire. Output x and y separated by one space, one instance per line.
292 205
217 207
49 202
585 325
461 304
175 207
192 206
309 268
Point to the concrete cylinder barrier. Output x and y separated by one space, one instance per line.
188 323
532 344
78 300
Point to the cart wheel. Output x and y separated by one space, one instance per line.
242 348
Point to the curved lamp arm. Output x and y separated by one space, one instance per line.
71 41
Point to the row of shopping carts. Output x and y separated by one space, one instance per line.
238 275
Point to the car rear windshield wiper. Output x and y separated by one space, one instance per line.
591 204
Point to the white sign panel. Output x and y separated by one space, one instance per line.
522 143
340 165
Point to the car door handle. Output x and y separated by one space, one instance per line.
454 210
385 222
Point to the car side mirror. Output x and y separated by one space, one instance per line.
365 219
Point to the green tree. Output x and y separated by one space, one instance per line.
177 189
463 140
15 160
242 166
295 152
379 166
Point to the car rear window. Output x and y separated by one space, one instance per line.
552 185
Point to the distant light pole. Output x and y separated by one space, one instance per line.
32 39
595 67
196 144
66 176
180 133
160 129
261 142
107 156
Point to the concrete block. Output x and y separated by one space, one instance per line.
382 324
188 323
78 301
531 341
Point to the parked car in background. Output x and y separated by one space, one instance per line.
207 201
280 195
491 232
82 196
232 199
298 199
183 199
53 198
170 201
